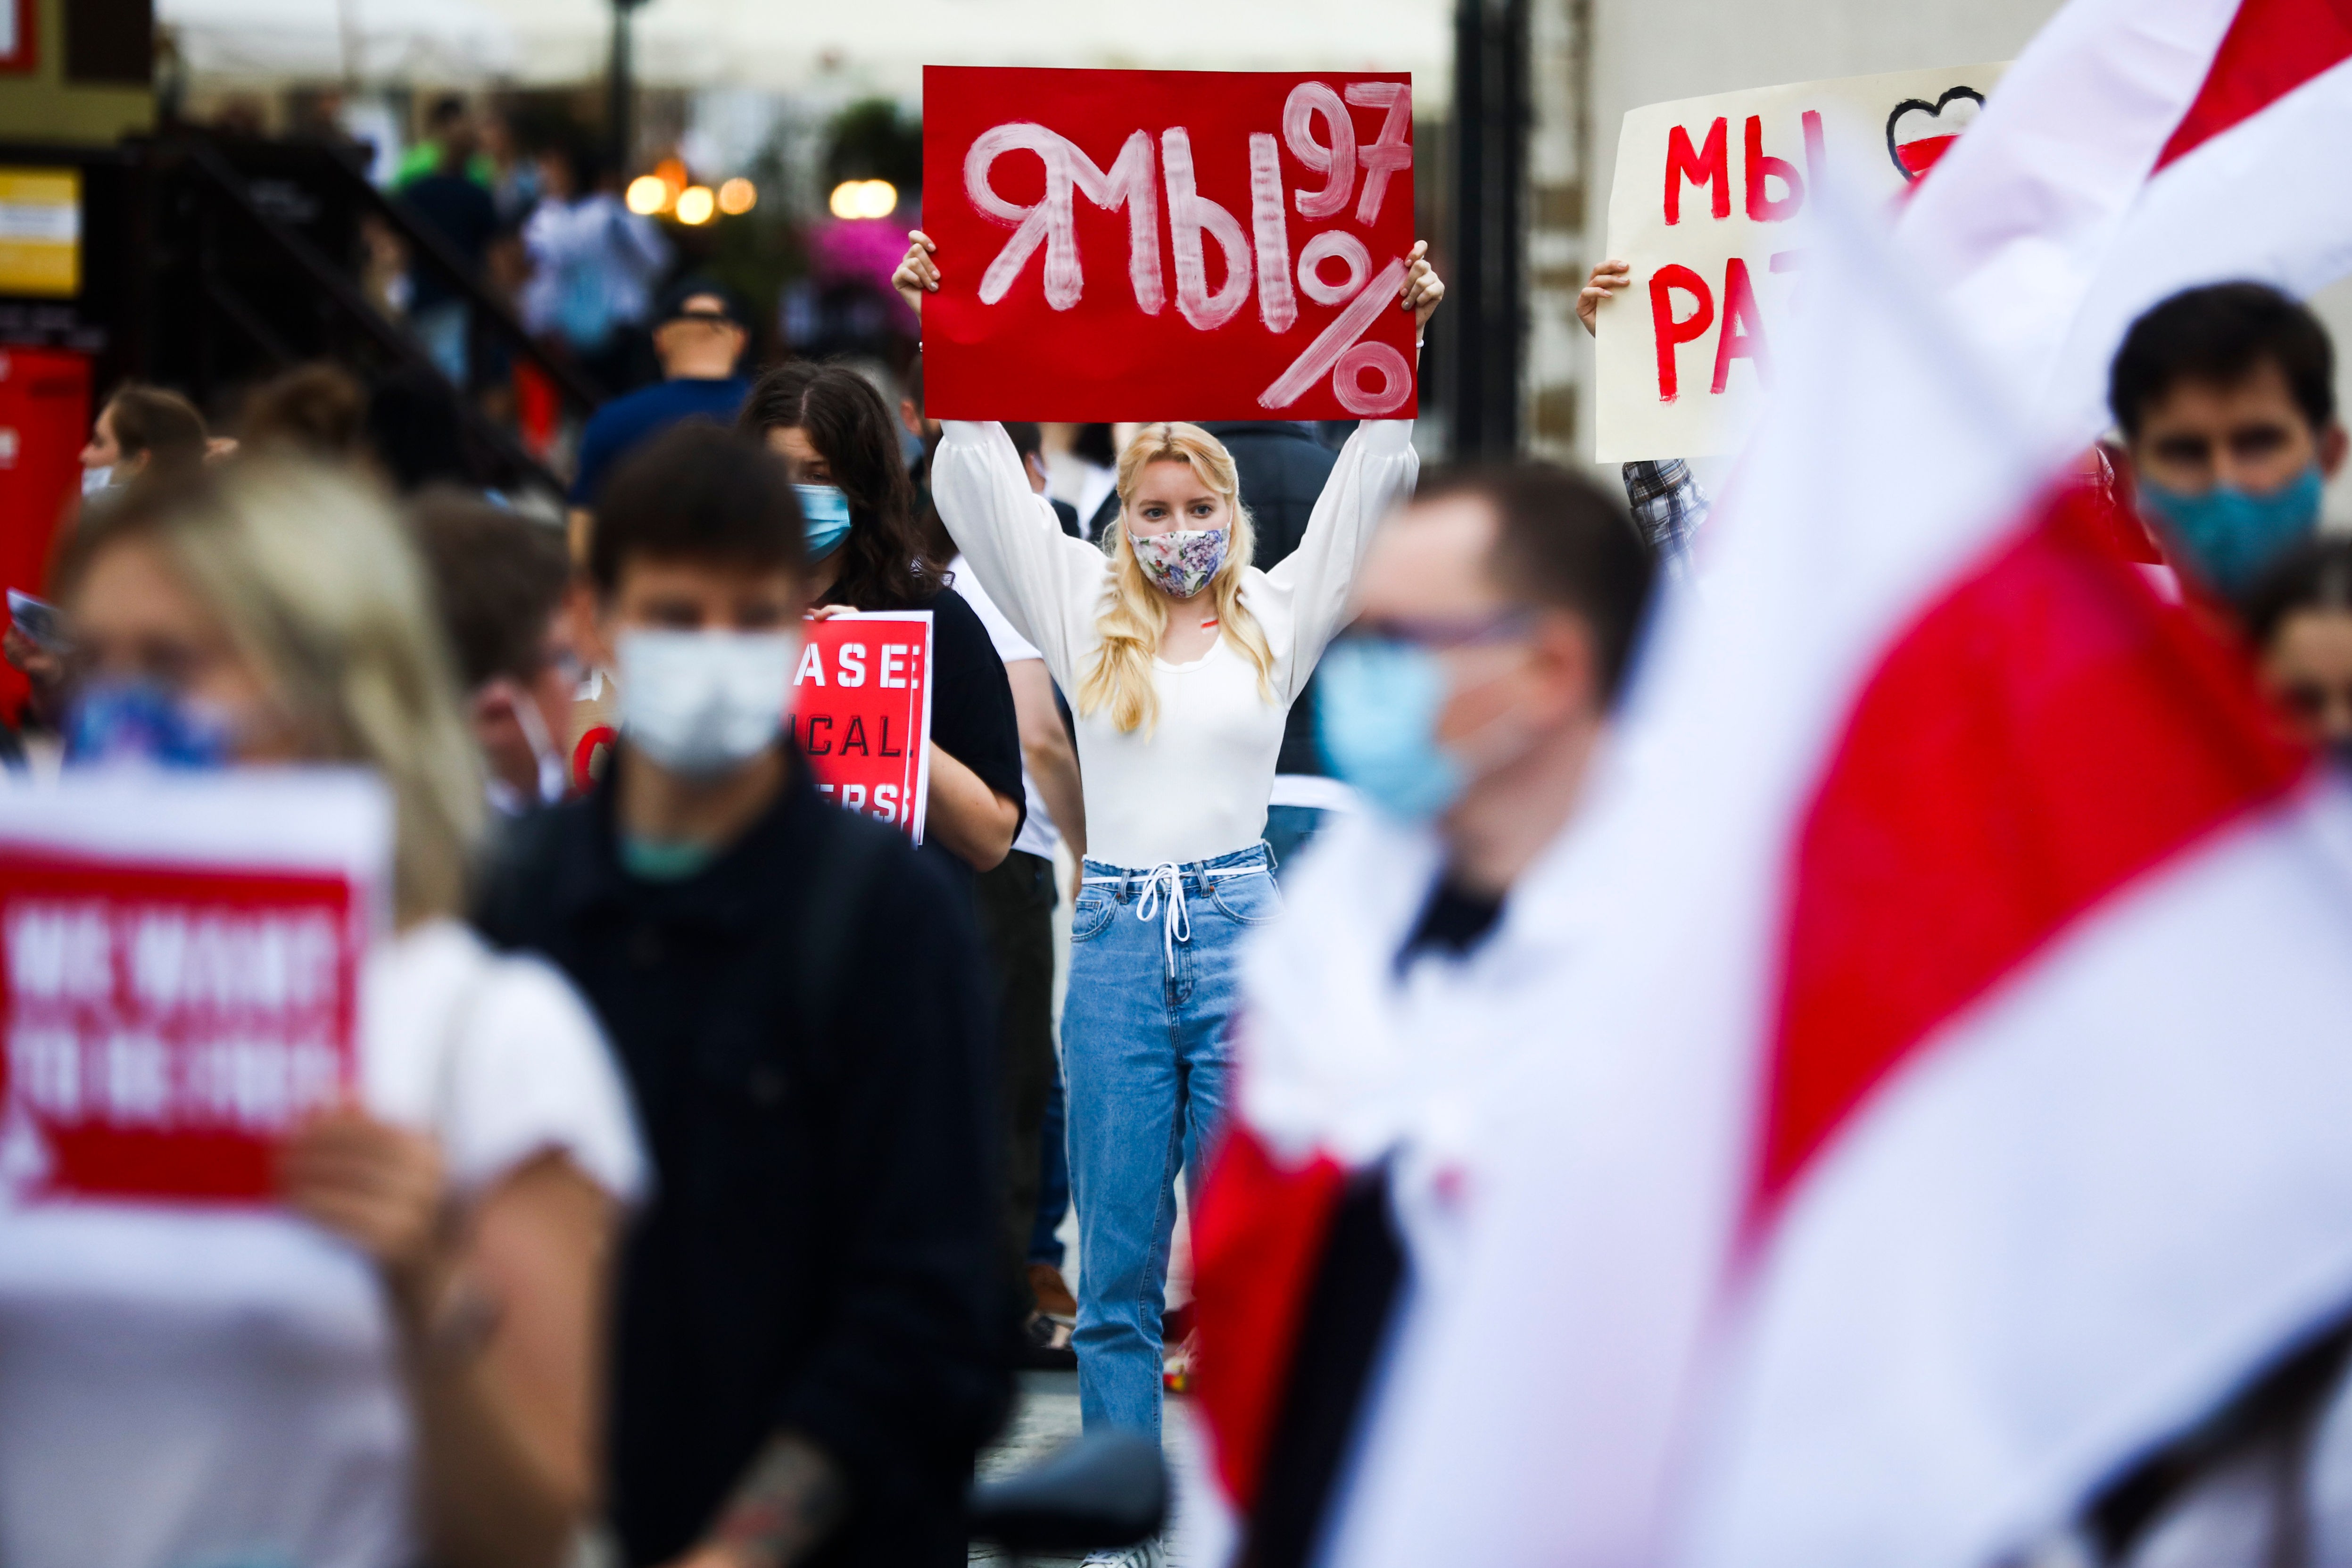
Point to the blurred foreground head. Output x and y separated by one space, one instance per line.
2226 398
1497 616
273 611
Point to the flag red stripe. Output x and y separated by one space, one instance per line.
2273 48
2046 732
1257 1241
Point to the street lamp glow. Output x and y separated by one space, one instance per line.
863 198
737 196
647 195
695 206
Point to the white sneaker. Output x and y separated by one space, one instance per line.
1144 1554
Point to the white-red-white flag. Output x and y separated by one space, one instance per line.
2137 147
1955 1103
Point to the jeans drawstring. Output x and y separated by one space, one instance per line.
1166 880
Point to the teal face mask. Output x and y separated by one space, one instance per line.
1376 708
2231 534
825 512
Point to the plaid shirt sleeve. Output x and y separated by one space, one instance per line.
1668 505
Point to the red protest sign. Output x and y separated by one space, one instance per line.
1153 245
167 1027
174 1002
862 712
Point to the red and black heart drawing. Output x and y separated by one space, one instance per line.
1919 133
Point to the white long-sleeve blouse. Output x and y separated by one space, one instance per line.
1194 785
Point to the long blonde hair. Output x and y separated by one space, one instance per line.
318 587
1135 614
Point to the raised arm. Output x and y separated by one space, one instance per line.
1375 472
1048 584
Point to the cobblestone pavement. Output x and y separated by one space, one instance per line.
1045 1417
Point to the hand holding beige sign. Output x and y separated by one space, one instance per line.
1704 212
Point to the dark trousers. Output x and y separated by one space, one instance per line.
1288 830
1053 1180
1016 922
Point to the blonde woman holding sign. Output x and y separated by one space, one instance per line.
1180 659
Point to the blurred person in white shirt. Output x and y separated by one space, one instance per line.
402 1363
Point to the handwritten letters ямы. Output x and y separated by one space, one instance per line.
1208 190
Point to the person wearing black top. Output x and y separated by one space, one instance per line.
1283 466
812 1337
836 434
460 213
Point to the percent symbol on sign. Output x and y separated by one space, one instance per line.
1340 351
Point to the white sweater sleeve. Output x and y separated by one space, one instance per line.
1048 584
1376 470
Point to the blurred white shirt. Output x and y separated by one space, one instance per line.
187 1387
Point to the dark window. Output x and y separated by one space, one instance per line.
110 42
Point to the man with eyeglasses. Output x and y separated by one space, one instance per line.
1420 949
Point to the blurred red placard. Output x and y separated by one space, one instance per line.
168 1025
179 958
1158 245
862 712
45 416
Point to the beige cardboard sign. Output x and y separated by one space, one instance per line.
1705 206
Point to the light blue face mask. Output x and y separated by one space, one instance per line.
2230 534
1376 706
825 512
140 721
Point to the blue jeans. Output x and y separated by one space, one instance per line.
1154 978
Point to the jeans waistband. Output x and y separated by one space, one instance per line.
1160 892
1255 861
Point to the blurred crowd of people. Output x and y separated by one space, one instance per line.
541 230
714 1141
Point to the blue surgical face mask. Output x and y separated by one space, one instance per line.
1376 703
824 511
142 722
2228 535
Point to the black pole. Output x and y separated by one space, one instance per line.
1488 333
619 89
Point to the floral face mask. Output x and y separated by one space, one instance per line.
1181 563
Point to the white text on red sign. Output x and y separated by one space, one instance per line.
169 1016
1256 260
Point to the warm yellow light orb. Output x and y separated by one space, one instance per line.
863 198
647 195
695 205
737 196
